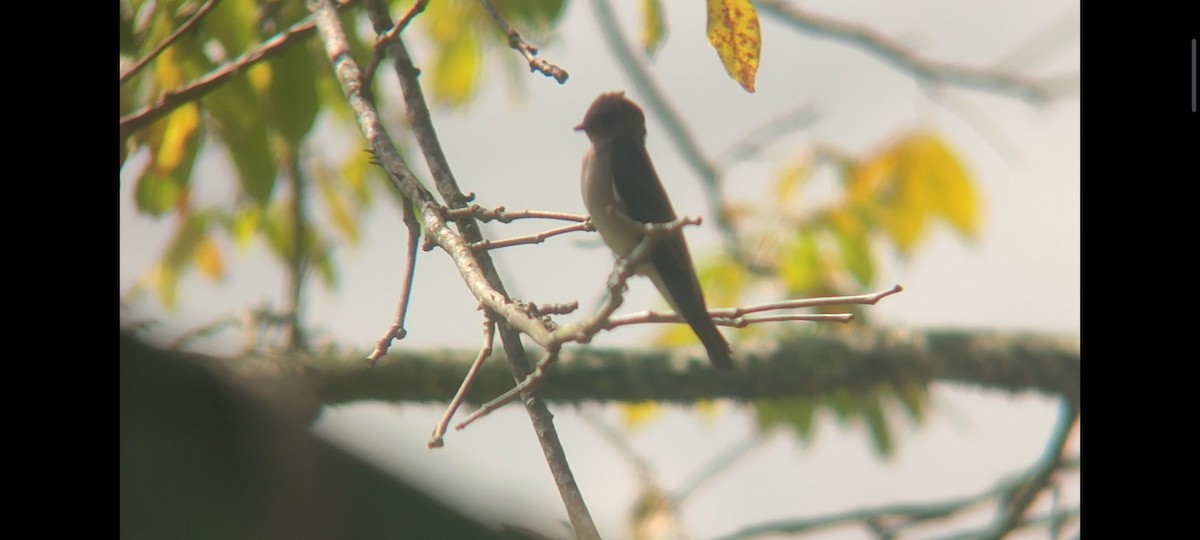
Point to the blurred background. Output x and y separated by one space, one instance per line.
930 144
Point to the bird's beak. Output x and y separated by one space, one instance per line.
580 127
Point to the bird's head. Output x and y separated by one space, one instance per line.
610 115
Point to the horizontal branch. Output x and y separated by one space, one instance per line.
503 215
798 365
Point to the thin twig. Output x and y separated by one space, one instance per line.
526 50
174 98
503 215
378 53
1017 502
532 238
659 317
525 385
736 317
990 80
396 331
203 331
490 291
195 18
623 269
489 332
906 514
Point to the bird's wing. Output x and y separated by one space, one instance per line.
646 201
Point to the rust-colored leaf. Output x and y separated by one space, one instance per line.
734 32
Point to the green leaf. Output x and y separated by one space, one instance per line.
233 24
243 129
456 70
877 426
794 413
845 405
341 211
293 101
800 267
912 396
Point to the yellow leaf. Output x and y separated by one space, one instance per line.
722 280
790 179
208 259
654 28
950 186
733 31
456 70
903 215
637 415
179 138
164 279
800 267
340 210
676 335
868 180
245 222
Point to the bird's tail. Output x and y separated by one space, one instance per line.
715 344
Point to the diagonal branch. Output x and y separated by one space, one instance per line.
1032 90
489 290
195 18
489 333
174 98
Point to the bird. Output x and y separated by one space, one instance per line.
620 186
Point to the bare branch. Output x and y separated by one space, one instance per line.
489 332
526 50
502 214
195 18
735 317
623 269
479 272
891 520
533 238
379 53
1030 89
525 385
396 331
173 99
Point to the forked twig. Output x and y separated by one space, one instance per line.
489 333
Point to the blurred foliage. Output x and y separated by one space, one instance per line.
654 27
890 197
462 32
263 118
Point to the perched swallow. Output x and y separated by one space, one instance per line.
620 187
